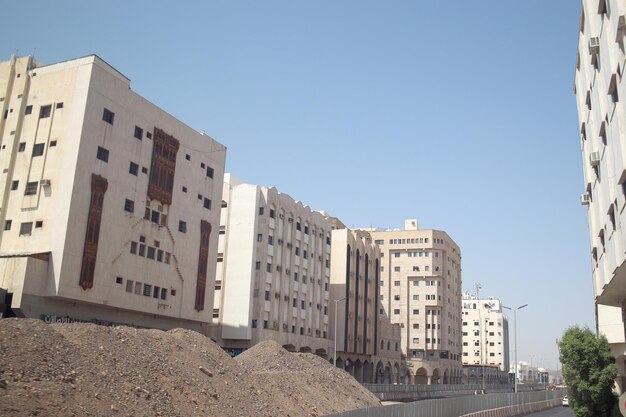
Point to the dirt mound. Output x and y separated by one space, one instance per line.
321 388
83 369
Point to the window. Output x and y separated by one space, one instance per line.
259 237
416 311
261 210
138 133
163 293
147 290
396 255
416 325
416 297
396 269
188 157
396 297
14 185
133 247
207 203
306 230
44 111
129 285
151 252
272 213
270 240
254 323
129 206
59 105
38 224
184 189
298 226
209 172
108 116
160 255
38 149
396 283
119 280
21 147
7 224
144 170
103 154
182 226
155 217
28 110
53 143
133 169
31 188
138 287
396 311
269 267
26 229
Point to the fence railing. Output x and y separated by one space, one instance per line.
454 407
380 388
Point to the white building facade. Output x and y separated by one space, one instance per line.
600 91
273 271
485 333
109 205
420 289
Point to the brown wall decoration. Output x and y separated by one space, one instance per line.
99 186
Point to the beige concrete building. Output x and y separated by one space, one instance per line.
274 271
368 345
485 333
600 91
420 290
109 205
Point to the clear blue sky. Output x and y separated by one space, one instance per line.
460 114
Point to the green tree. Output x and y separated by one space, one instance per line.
589 371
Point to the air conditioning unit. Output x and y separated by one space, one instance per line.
45 182
585 199
594 46
594 159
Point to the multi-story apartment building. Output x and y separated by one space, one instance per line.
485 333
420 289
368 345
109 206
600 91
273 271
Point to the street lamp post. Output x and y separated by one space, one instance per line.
515 327
335 351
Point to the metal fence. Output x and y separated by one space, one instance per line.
376 388
453 407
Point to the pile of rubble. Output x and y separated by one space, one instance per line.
88 370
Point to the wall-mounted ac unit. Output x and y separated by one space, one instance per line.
585 199
594 159
44 182
594 46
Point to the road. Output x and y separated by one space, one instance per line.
554 412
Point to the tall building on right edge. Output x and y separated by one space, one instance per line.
420 289
598 88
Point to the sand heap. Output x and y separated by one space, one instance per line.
83 369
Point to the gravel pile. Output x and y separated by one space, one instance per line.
83 369
320 388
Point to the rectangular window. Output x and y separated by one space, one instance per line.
38 224
396 311
44 111
129 206
151 252
155 217
396 269
182 226
269 267
209 172
147 290
160 255
14 185
258 266
254 324
207 203
31 188
163 293
138 288
133 248
270 240
26 229
396 283
261 210
7 224
38 149
133 169
21 147
59 105
129 285
138 133
108 116
272 213
28 110
156 292
119 280
103 154
142 250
